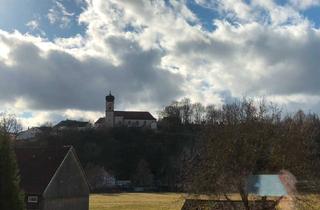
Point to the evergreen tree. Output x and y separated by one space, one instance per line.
11 197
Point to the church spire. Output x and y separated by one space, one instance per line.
110 98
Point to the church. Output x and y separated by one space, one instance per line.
124 118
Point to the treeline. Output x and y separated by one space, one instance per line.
241 138
184 113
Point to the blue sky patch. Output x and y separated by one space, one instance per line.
313 14
26 115
205 15
16 14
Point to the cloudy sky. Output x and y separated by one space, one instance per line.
59 58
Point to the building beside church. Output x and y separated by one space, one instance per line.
125 118
72 124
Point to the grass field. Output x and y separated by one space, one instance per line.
167 201
136 201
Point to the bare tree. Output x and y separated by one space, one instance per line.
9 123
143 176
198 113
212 115
186 110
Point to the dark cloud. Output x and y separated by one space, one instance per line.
57 80
263 61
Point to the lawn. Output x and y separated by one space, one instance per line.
167 201
136 201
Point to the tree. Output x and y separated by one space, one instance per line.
198 113
170 117
11 197
9 124
212 114
186 110
143 176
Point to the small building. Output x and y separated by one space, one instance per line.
72 124
32 133
114 118
99 178
52 179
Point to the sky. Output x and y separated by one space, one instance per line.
59 58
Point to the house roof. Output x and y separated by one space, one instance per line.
38 165
266 185
44 128
72 124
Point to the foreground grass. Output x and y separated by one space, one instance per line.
308 202
174 201
136 201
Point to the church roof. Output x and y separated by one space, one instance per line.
37 166
101 120
134 115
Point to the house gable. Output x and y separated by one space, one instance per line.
69 180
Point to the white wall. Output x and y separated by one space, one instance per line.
28 134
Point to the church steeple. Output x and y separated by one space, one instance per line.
110 110
110 98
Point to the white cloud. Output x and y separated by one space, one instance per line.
58 14
152 52
304 4
33 24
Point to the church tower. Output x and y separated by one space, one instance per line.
110 110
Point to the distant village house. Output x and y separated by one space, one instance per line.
72 124
32 133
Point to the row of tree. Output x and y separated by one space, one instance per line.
184 112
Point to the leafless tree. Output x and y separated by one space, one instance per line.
212 115
198 113
186 110
9 124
